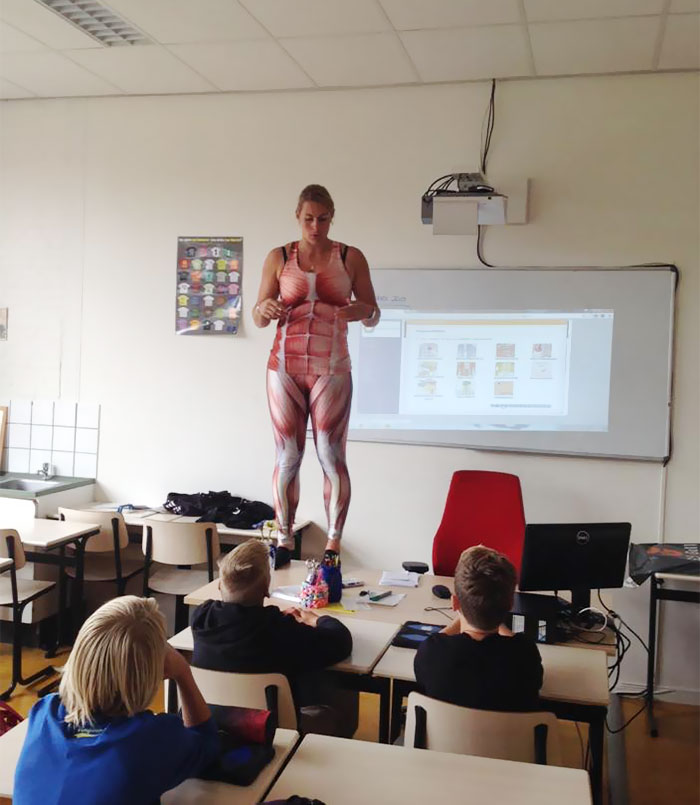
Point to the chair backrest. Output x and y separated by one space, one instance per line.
176 543
248 690
104 541
481 508
432 724
9 535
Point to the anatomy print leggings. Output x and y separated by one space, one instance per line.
291 399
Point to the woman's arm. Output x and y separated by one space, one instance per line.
364 308
268 306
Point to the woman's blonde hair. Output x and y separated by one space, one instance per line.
245 573
319 195
116 664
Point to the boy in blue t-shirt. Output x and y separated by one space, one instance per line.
96 741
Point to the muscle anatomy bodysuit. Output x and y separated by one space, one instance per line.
309 373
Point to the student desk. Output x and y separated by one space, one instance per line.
575 688
40 539
658 592
369 641
5 564
344 772
191 792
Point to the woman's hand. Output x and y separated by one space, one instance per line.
270 309
356 311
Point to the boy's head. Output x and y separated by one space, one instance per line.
484 586
116 664
244 574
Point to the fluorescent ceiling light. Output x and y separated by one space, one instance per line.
97 21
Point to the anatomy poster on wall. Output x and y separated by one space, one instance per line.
208 288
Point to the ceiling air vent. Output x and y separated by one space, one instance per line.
97 21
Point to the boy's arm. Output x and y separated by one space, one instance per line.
313 647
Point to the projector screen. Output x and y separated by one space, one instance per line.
571 361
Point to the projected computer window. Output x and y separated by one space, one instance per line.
519 370
485 364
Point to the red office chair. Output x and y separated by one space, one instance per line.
481 508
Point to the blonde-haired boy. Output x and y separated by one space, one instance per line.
96 740
239 633
476 661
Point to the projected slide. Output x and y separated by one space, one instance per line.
517 370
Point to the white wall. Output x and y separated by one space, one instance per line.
96 191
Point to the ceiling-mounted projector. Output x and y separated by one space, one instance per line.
458 203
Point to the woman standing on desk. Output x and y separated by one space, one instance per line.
313 288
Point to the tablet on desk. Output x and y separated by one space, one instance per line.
413 633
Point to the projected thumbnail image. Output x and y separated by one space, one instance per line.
427 388
466 352
427 368
541 351
466 368
428 350
541 370
503 388
505 351
505 369
465 388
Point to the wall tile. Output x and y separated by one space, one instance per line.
18 436
37 458
85 466
88 415
17 460
21 411
85 440
41 437
42 412
62 462
64 439
64 413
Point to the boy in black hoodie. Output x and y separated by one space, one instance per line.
240 634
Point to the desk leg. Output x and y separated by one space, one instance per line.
651 659
399 689
596 736
384 711
61 603
77 597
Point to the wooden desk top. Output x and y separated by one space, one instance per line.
191 792
5 564
344 772
411 608
572 675
45 534
206 792
369 641
678 577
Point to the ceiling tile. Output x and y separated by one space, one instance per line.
680 49
255 65
464 54
14 41
346 61
8 90
408 15
542 10
141 69
171 21
51 75
36 20
315 17
594 46
681 6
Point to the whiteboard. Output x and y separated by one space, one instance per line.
473 380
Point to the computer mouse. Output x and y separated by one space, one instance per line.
441 591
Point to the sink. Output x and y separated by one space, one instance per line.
24 485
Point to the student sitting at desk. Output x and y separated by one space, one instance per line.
96 741
240 634
476 661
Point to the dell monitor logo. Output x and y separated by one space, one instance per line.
582 537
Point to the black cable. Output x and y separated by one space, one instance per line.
490 121
622 621
580 740
478 248
628 722
443 610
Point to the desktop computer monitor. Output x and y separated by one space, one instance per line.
574 556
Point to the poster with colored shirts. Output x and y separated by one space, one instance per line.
197 310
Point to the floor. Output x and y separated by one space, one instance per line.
659 770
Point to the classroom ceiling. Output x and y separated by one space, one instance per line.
197 46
